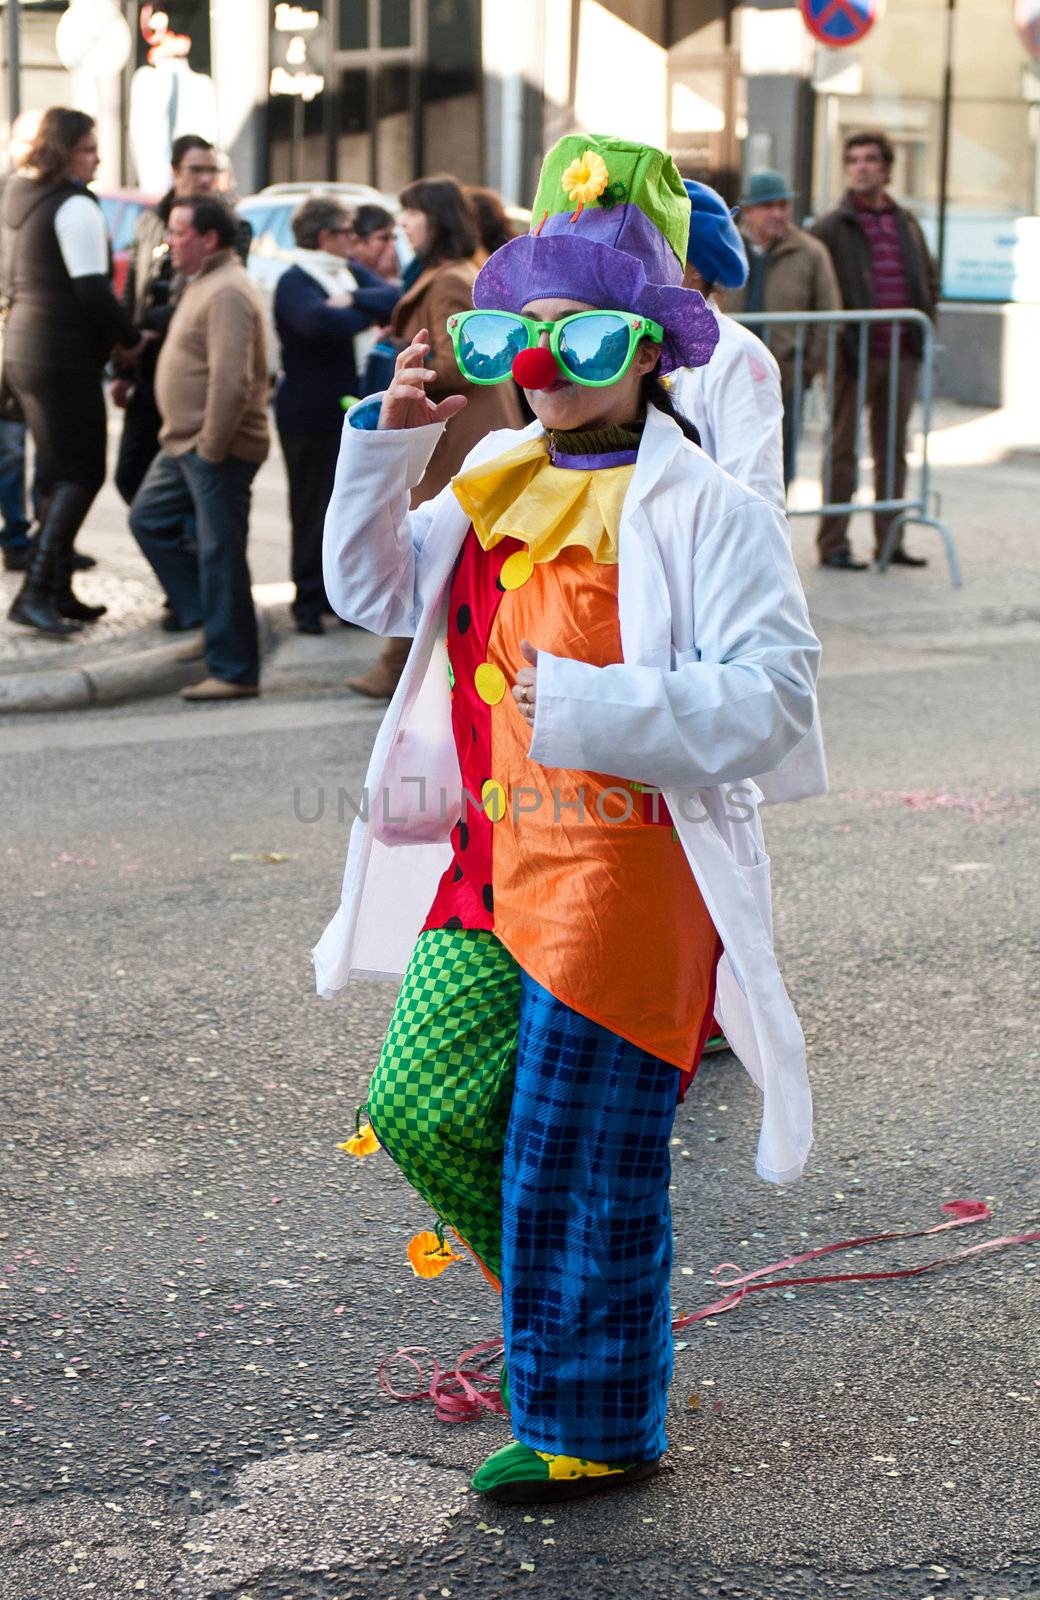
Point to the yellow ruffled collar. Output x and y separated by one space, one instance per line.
521 495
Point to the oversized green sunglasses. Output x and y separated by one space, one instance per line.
590 347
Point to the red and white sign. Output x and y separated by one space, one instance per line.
839 23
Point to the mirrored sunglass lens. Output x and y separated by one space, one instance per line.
487 345
595 348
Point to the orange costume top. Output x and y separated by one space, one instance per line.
579 874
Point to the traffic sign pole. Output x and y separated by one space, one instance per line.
944 136
13 23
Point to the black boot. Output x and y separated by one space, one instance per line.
67 605
33 606
66 511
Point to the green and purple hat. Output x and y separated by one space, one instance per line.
610 226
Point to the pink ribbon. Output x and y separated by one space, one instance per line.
963 1213
460 1395
465 1392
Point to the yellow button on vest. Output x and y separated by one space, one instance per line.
516 570
490 683
493 799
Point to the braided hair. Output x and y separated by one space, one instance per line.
654 393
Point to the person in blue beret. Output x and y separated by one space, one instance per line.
734 400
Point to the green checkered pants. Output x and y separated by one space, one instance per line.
439 1099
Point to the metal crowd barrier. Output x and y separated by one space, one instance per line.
922 508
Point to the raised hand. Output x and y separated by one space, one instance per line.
406 403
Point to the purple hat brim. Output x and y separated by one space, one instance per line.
569 267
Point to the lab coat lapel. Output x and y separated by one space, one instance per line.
644 609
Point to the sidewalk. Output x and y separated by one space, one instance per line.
986 471
127 655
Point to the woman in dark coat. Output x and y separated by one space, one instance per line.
63 324
321 304
441 229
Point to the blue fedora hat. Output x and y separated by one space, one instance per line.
764 187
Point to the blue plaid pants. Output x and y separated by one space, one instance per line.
543 1139
587 1237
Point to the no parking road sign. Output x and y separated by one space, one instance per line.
837 23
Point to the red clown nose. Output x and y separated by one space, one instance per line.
536 369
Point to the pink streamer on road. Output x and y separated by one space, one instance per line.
460 1395
963 1213
468 1391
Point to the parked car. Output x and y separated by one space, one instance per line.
270 214
121 209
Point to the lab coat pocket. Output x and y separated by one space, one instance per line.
418 796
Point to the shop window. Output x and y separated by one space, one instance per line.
394 127
894 81
296 136
451 90
353 25
353 128
178 30
395 24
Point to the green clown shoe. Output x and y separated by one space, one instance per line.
517 1475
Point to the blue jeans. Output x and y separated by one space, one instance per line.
210 584
14 535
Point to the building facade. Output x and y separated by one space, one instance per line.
381 91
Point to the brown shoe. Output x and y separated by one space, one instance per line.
217 689
192 649
381 681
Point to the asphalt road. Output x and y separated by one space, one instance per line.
196 1289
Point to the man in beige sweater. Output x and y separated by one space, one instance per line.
211 389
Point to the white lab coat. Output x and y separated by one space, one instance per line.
717 683
735 403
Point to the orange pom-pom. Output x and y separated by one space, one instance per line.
429 1255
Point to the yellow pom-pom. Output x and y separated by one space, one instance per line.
586 178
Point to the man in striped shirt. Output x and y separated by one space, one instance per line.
881 261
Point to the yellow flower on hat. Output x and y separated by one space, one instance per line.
585 179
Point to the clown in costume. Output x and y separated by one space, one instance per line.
562 853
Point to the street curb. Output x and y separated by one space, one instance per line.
138 676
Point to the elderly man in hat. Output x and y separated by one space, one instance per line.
734 400
788 270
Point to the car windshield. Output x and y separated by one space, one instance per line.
261 219
122 230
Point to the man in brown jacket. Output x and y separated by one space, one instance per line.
211 388
788 270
